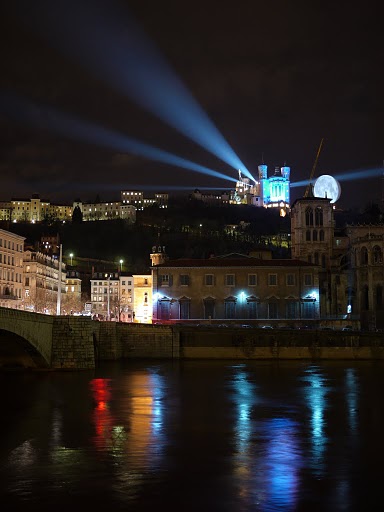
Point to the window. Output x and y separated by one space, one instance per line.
308 279
272 279
309 309
291 308
318 216
309 217
314 235
272 309
290 279
184 280
164 280
377 256
230 308
379 296
252 308
27 281
123 283
252 279
164 309
323 260
185 309
307 236
364 256
208 280
230 279
209 308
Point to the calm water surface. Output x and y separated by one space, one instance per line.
194 436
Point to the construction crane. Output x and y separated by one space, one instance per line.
313 170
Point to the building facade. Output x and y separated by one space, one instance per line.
11 270
233 288
44 283
124 298
350 260
72 302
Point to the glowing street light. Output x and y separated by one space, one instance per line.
121 265
71 256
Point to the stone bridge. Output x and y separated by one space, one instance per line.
33 340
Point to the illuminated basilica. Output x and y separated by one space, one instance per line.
270 192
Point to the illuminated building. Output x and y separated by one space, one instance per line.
41 282
11 269
142 298
245 192
233 287
120 297
270 192
72 302
106 211
136 198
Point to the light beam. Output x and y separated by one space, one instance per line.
105 38
49 119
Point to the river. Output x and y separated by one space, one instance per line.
194 436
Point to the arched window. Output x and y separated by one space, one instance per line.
364 256
364 298
309 258
321 235
318 216
379 296
316 258
184 308
309 217
314 235
377 255
307 236
323 260
209 308
230 307
252 307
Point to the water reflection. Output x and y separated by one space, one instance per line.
268 458
315 394
194 435
351 395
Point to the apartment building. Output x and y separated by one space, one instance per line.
11 270
42 282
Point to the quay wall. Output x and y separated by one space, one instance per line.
131 341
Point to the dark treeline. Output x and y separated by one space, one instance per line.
187 229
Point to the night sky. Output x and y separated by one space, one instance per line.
274 77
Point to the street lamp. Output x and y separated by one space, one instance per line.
121 265
71 256
108 292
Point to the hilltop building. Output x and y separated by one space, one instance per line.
269 192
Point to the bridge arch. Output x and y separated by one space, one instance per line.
25 338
